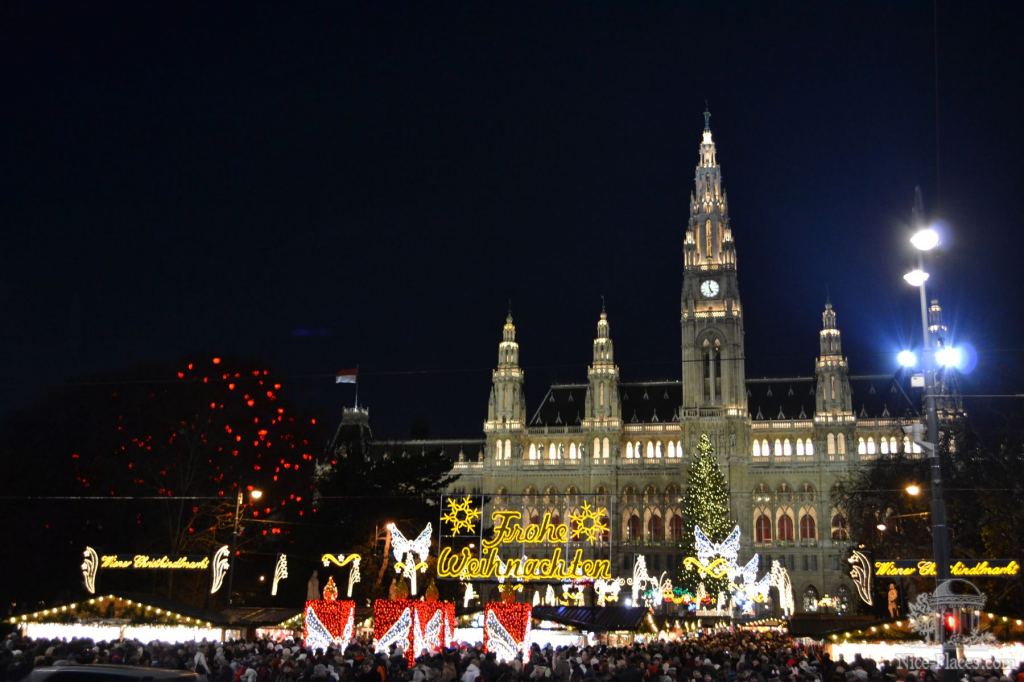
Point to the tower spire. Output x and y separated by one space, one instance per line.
506 408
831 370
707 117
602 402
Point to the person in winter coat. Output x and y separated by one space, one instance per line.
472 671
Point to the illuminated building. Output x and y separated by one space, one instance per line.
783 443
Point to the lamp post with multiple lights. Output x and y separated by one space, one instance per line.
925 239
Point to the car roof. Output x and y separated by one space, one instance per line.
71 673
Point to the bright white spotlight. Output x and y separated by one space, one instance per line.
949 356
925 239
916 277
906 358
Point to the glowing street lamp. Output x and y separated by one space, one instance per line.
254 495
949 356
881 527
925 239
913 490
916 277
906 358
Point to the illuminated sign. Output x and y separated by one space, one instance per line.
587 523
984 568
860 572
192 563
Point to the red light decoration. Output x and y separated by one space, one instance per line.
513 616
388 612
336 616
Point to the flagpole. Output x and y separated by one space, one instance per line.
357 387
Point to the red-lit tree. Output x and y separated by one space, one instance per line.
195 435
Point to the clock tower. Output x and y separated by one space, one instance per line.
712 318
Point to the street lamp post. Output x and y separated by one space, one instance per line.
925 239
254 494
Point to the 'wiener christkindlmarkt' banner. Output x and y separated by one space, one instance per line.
974 568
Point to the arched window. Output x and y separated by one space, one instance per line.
785 527
552 452
650 450
597 448
810 599
871 446
808 447
830 443
916 447
757 448
762 529
799 447
765 451
657 450
906 443
839 527
633 528
892 446
778 447
675 528
604 449
679 448
655 529
572 451
497 450
842 443
862 447
671 450
629 451
787 448
808 531
883 446
508 449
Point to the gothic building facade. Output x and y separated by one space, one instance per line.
783 443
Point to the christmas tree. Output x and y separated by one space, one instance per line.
705 504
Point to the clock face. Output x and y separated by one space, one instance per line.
709 288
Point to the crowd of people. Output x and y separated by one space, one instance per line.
724 656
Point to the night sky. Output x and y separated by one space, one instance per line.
316 187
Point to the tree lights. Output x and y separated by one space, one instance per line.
705 504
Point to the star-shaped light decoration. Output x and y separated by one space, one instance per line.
594 529
461 515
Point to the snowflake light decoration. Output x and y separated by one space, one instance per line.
461 515
594 529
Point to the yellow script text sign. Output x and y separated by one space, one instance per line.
980 569
508 530
162 562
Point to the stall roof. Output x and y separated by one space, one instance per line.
593 618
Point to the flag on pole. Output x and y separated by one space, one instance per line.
346 376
